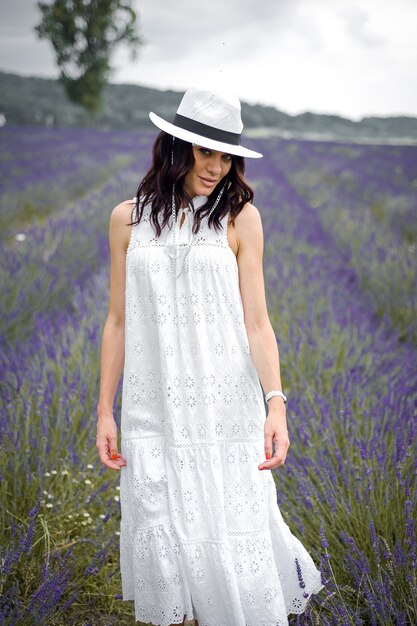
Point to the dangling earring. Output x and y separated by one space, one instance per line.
174 214
172 151
218 197
173 184
173 210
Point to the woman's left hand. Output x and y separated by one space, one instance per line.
275 430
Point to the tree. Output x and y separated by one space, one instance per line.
84 34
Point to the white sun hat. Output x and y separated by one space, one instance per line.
209 119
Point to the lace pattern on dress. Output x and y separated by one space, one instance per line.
201 532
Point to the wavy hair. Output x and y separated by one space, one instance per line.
156 186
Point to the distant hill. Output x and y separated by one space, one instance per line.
40 101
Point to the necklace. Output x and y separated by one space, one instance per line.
176 226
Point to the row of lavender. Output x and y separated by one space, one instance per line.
347 488
61 512
366 199
352 416
42 260
41 169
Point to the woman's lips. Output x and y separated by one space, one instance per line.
208 181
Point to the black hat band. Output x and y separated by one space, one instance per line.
206 131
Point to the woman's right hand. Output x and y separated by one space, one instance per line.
106 443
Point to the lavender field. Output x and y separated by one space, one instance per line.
340 225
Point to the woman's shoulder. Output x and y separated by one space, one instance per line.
247 226
122 212
248 217
120 228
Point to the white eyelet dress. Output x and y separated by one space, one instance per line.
201 532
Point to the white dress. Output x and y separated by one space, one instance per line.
201 532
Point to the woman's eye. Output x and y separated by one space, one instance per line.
208 152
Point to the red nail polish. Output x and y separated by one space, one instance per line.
268 456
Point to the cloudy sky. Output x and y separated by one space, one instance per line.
349 57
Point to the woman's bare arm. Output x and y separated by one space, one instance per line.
262 341
113 338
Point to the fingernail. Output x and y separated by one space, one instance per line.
268 456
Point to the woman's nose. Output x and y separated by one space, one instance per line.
214 165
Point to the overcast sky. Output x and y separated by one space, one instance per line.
349 57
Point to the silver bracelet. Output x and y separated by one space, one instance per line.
271 394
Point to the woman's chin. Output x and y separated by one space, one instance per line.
199 190
204 190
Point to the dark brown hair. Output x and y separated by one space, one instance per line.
156 186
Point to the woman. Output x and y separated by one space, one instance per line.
201 534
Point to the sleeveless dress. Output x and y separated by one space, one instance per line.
201 533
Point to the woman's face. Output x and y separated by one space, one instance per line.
210 166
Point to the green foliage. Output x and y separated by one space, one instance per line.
84 34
